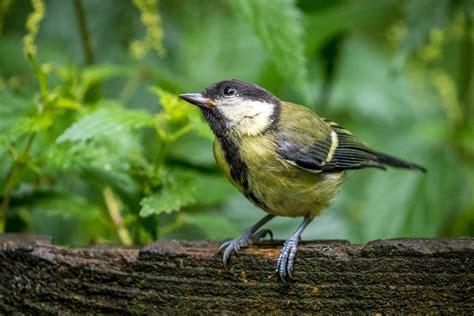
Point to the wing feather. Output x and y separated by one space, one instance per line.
327 154
319 145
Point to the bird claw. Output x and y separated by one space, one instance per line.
234 245
286 259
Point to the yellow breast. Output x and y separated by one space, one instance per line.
275 185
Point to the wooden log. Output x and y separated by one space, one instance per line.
175 277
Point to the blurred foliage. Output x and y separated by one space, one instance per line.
95 146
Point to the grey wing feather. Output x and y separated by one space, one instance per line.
338 151
351 153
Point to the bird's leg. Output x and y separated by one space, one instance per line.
261 234
247 238
287 255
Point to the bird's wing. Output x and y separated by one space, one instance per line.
318 145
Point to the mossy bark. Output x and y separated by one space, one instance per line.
176 277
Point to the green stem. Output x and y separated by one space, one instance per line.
116 217
86 38
29 142
42 82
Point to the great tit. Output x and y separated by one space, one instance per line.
283 157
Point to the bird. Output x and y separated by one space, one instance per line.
282 157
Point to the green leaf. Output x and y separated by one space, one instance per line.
109 159
176 192
106 121
178 117
278 24
176 108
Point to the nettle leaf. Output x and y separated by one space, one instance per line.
177 191
106 121
172 105
278 24
110 159
178 117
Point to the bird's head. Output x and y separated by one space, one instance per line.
236 106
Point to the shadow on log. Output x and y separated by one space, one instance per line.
176 277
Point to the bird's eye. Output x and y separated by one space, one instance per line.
228 91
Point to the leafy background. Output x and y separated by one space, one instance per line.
96 147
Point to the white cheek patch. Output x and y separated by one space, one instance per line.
248 117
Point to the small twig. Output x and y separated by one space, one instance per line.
87 44
114 212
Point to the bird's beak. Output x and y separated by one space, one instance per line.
198 99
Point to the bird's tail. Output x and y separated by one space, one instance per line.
398 163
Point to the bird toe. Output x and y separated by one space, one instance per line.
286 260
235 245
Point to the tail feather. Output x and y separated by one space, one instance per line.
398 163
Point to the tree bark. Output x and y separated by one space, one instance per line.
175 277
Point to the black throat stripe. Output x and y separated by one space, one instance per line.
229 145
238 168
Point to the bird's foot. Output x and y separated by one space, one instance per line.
235 245
287 258
247 238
